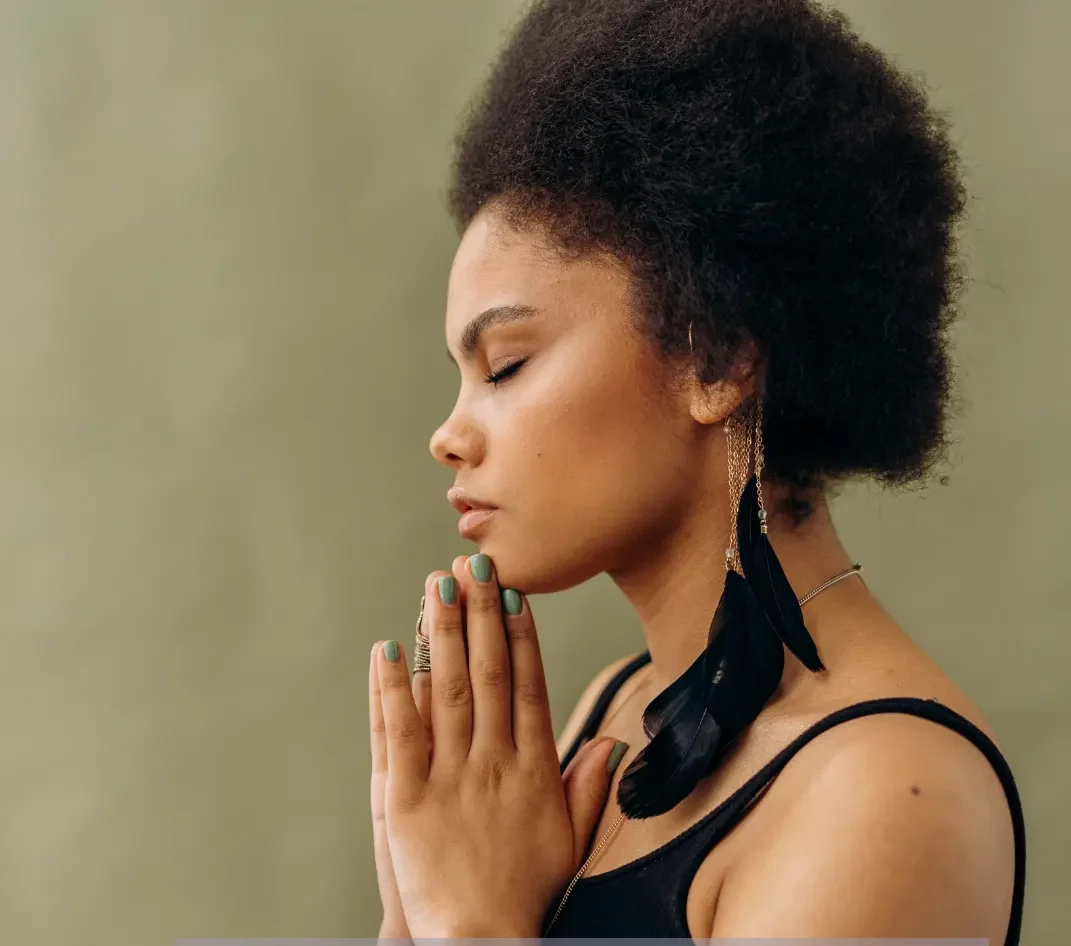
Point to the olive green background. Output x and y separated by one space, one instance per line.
223 261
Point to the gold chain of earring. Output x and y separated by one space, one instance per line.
738 443
760 460
740 435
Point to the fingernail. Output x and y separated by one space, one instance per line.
615 756
447 589
480 565
390 650
511 601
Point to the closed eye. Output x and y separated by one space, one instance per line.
502 374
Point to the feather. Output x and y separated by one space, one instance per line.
768 582
713 701
681 693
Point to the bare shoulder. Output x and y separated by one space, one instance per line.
884 825
587 701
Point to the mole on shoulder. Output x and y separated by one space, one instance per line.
914 789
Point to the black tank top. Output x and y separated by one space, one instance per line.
647 897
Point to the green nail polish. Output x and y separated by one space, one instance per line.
481 566
447 589
511 601
616 756
390 649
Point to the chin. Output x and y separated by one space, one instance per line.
526 567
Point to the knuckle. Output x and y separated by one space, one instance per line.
406 802
594 795
455 692
484 602
393 683
539 776
492 674
379 809
494 769
405 731
520 631
531 694
448 621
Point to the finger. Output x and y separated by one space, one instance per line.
422 686
451 691
389 896
422 699
489 663
587 780
407 748
377 735
533 729
388 886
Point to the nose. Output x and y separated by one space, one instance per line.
456 443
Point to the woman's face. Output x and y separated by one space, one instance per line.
588 457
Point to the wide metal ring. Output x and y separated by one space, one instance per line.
422 650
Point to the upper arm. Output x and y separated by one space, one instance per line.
586 702
903 830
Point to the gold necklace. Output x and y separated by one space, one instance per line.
854 570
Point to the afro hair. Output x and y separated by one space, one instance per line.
768 178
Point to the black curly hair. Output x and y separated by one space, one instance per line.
766 176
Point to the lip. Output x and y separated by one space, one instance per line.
463 502
473 521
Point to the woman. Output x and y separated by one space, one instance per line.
705 273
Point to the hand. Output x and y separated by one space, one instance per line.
482 829
393 924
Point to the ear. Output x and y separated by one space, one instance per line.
712 403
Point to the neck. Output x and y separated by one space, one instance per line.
675 589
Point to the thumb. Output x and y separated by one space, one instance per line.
587 782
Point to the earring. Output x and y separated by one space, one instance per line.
692 723
761 568
738 441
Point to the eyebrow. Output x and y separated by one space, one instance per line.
499 314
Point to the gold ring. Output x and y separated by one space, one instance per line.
422 650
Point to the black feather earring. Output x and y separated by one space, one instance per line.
693 722
763 571
721 694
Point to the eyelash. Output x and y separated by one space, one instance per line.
497 377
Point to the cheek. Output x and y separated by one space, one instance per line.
592 473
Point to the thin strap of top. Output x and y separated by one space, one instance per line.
598 709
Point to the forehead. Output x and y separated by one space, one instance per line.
492 259
495 265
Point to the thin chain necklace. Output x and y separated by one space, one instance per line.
854 570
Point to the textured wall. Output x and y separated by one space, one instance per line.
223 259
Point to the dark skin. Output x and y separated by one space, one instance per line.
883 826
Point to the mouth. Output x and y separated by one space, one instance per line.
475 513
473 520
